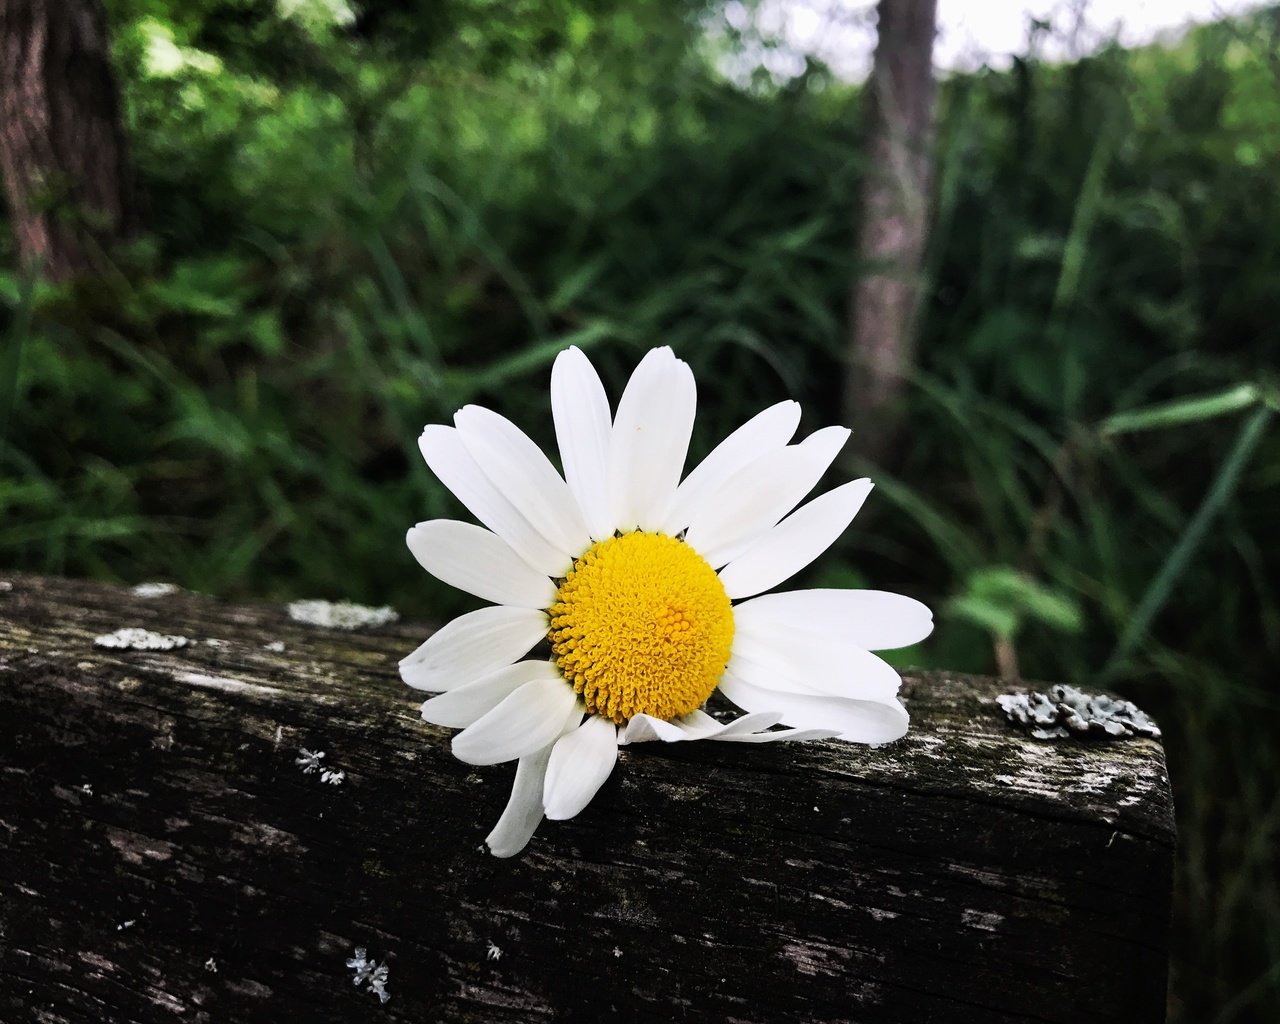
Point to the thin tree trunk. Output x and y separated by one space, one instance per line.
895 212
62 149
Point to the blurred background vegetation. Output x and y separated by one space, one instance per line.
357 217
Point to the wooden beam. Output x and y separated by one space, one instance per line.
165 858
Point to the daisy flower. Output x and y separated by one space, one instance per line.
648 590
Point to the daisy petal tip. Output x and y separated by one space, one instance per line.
832 439
581 760
570 354
665 356
471 417
432 434
892 735
504 850
464 752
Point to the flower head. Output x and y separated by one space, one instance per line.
648 589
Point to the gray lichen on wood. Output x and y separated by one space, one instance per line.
341 614
371 972
1065 710
153 589
131 638
967 872
310 763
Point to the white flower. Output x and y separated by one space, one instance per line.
647 588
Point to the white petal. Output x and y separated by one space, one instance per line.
473 645
780 736
699 723
858 721
742 725
696 725
756 727
787 548
650 440
816 664
466 705
580 763
646 729
523 813
520 470
580 409
766 431
757 496
523 722
449 460
872 619
473 559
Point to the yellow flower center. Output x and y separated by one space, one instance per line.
642 625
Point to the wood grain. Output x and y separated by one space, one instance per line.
165 859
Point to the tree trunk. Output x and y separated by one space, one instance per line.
62 148
895 211
165 857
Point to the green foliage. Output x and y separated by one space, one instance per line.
1000 599
360 224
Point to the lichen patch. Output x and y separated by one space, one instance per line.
341 614
1066 711
133 638
152 590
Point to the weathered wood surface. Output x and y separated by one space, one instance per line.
165 859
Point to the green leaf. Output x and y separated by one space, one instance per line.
999 621
575 284
1000 598
1182 411
1221 491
